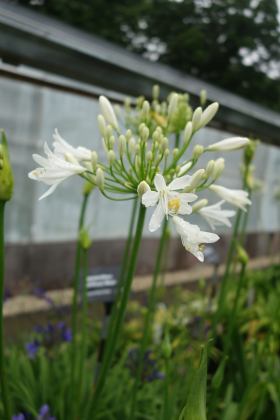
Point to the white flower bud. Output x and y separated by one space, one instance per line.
199 204
175 153
203 97
149 157
94 160
208 114
128 134
196 178
218 170
130 169
188 132
101 124
184 168
118 111
145 133
166 153
148 180
71 159
137 148
197 151
177 169
131 145
155 91
155 136
159 158
196 119
108 132
100 179
229 145
141 127
168 177
112 142
108 112
142 188
164 144
172 105
111 157
209 169
121 145
146 109
159 130
158 170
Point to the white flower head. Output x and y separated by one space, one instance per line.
61 147
170 202
238 198
54 170
192 237
214 215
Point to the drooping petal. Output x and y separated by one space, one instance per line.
150 198
156 218
160 183
180 183
50 191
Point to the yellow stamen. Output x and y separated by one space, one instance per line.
45 170
35 173
174 204
188 249
201 247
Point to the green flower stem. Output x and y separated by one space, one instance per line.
75 303
166 390
3 373
84 325
177 141
264 391
122 275
147 323
119 199
185 146
230 254
92 410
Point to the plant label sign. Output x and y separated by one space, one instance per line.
101 283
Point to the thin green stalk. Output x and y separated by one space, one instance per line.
92 410
177 141
147 323
122 275
75 303
3 372
264 391
84 324
166 390
230 254
165 256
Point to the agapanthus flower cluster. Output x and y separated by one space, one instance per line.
140 164
149 370
44 414
48 338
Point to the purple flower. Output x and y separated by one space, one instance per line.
149 371
18 417
44 414
32 348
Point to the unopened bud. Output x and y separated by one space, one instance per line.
197 151
242 255
158 170
168 177
101 124
108 132
100 179
94 160
137 148
149 157
148 180
155 136
131 145
155 91
88 187
112 142
71 159
218 170
108 112
188 132
146 109
128 134
111 157
196 119
84 238
166 153
208 114
159 130
121 145
209 169
142 188
145 133
164 144
203 97
177 169
175 153
199 205
6 174
172 171
130 169
166 346
172 105
141 126
159 158
196 178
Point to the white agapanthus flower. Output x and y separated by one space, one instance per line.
54 170
108 112
170 202
229 145
61 147
192 237
238 198
215 216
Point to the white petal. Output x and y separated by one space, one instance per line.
156 218
159 182
150 198
180 183
50 191
41 160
